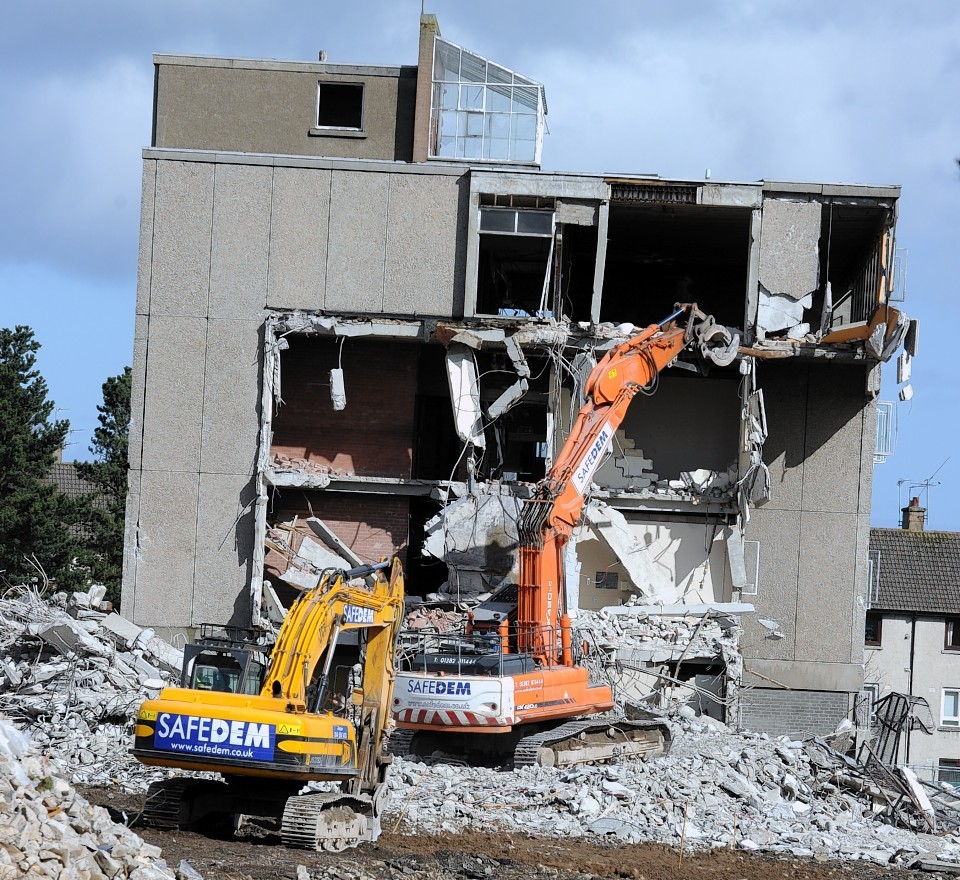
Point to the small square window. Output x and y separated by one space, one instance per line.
340 105
873 629
951 635
950 708
606 580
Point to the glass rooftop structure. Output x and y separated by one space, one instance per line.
483 112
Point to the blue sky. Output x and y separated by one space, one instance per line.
853 92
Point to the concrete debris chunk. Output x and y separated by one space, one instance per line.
54 832
78 694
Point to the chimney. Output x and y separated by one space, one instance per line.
913 516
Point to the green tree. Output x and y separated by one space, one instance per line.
35 517
108 473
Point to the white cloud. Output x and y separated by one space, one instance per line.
76 168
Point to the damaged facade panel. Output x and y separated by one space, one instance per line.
413 339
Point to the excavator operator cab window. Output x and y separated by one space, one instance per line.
210 678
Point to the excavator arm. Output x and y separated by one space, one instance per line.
548 519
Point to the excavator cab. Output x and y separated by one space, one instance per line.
225 659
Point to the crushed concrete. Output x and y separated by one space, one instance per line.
48 830
742 790
73 677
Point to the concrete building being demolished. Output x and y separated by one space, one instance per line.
364 318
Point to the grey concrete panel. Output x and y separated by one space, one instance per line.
784 387
224 549
860 593
834 440
847 677
742 195
167 548
173 400
423 220
128 588
299 227
355 259
867 450
181 239
137 387
509 182
241 238
778 532
790 247
828 555
144 262
231 397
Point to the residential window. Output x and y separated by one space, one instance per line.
948 771
950 708
951 636
873 629
606 580
340 105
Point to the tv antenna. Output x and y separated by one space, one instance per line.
922 487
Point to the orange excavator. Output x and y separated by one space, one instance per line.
516 679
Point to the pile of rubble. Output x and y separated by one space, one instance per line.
73 676
716 788
48 830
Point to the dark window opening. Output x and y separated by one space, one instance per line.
951 637
530 268
511 276
852 259
873 628
436 447
690 421
658 255
606 580
423 574
516 446
340 105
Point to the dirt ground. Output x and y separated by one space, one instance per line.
472 855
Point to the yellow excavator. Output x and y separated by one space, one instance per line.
315 710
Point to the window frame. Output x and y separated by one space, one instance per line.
878 642
483 114
949 722
334 129
952 767
951 621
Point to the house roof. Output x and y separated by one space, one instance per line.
64 476
916 571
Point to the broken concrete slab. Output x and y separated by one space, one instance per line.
778 312
465 395
612 528
790 249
